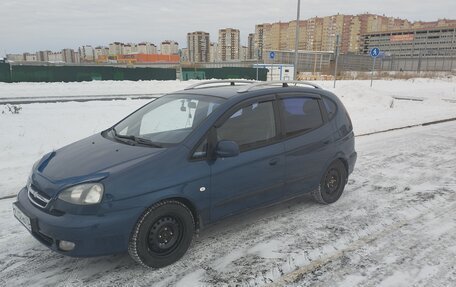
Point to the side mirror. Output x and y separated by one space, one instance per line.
227 149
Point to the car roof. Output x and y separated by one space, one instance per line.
228 90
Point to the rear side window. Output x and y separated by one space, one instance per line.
250 126
300 115
330 107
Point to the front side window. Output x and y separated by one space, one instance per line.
168 120
300 114
250 126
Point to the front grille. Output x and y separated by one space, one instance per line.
37 197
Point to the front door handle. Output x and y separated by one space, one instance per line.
273 161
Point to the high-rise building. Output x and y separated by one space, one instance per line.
55 57
169 47
229 44
15 57
101 51
116 48
146 48
198 46
213 53
30 57
251 46
128 49
43 56
320 33
244 53
69 56
86 53
259 39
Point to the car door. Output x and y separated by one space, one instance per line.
308 140
256 176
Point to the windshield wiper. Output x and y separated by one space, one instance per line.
136 139
131 139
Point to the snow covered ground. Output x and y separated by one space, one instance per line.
394 226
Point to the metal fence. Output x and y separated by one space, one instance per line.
77 73
323 62
392 63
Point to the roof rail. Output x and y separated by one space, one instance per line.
273 83
231 82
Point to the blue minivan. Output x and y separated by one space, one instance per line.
186 160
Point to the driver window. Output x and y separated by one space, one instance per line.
250 126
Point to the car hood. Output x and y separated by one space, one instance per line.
90 159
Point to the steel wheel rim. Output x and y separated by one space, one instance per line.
165 235
332 181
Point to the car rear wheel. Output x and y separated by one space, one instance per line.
332 183
162 235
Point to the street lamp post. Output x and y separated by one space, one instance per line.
297 41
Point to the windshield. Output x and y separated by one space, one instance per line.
167 120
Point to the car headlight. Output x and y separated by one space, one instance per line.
83 194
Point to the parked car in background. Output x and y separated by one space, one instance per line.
186 160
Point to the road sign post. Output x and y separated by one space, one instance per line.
374 53
258 60
336 59
272 56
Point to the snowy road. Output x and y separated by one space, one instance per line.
394 226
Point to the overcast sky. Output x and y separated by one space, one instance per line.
31 25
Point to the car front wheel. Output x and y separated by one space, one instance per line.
162 235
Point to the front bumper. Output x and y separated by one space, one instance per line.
94 235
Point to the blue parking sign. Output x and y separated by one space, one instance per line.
271 55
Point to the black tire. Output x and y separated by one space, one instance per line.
162 234
332 183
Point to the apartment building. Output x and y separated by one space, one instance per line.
169 47
128 49
43 56
198 45
229 44
15 57
213 52
100 52
320 33
29 57
251 54
259 39
244 53
70 56
116 48
146 48
86 53
55 57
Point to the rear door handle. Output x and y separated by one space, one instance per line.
273 161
